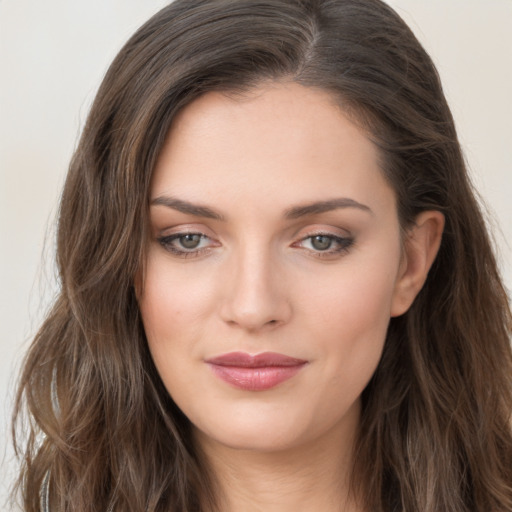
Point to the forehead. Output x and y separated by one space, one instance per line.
277 141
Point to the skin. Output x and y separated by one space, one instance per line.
258 282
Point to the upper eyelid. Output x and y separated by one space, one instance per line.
320 230
183 230
178 234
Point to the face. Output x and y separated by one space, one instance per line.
272 271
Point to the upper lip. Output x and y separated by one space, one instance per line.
263 360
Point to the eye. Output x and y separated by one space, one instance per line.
324 244
190 240
186 244
321 242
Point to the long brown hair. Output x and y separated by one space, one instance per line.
101 430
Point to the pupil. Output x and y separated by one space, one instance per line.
321 243
190 241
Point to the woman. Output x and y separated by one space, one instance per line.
277 289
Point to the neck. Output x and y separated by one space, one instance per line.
310 477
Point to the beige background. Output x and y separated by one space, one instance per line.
53 54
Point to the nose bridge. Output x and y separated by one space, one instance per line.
256 296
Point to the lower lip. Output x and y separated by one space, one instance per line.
255 379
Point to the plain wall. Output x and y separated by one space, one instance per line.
53 55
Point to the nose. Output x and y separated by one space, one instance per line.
256 296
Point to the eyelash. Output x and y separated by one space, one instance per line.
167 243
343 244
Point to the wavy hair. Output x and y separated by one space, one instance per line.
102 433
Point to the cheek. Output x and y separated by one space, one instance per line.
174 306
172 297
355 296
350 313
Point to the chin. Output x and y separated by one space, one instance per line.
256 430
273 429
251 440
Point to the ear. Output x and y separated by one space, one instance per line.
421 245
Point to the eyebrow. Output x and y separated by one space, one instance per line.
325 206
186 207
291 213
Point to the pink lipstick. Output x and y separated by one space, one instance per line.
255 373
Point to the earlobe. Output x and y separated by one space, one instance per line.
421 245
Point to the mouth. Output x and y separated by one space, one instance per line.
255 372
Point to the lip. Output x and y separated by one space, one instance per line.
255 372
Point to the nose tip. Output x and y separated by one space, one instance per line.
256 298
251 320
